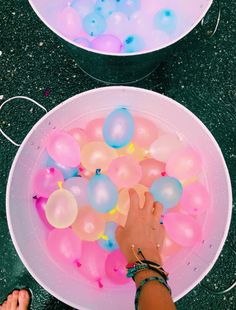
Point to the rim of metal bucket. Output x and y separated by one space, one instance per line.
122 54
102 89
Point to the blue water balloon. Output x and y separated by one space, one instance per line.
94 24
67 172
165 20
128 7
83 7
105 7
102 193
110 232
133 43
167 191
118 128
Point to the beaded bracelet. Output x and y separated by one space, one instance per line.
156 267
143 282
133 269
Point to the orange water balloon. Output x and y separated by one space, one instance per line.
97 155
89 225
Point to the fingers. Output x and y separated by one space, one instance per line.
134 205
158 210
119 231
134 199
148 204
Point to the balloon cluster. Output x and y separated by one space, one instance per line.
81 194
115 26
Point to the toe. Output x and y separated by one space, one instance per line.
14 300
4 305
24 299
8 304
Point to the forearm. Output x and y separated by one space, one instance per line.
154 295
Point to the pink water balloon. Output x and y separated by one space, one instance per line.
195 199
64 246
118 24
115 267
107 43
97 155
64 149
69 22
94 129
79 135
141 23
40 204
89 224
145 133
46 181
125 171
164 147
78 186
182 229
93 262
184 164
151 170
61 209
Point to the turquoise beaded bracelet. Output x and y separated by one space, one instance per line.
135 269
139 289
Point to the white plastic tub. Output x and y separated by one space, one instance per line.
187 269
127 67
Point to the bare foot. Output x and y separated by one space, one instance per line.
17 300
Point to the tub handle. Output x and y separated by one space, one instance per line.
11 99
214 292
211 33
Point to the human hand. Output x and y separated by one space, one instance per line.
142 229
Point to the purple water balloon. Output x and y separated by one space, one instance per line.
82 42
40 206
107 43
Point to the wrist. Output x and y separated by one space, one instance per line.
140 276
155 259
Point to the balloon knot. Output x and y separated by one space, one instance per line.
100 283
98 171
163 173
59 184
78 263
131 148
113 211
104 237
35 197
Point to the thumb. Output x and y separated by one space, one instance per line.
119 232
